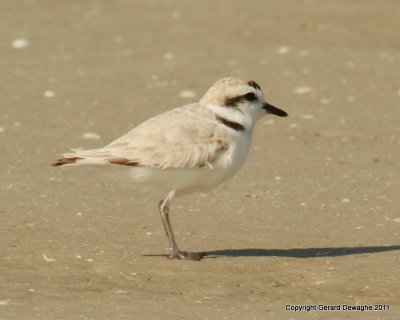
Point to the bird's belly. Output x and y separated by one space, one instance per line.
183 181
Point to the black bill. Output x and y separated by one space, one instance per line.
274 110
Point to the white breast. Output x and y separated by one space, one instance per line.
232 160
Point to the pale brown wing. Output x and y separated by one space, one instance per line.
185 137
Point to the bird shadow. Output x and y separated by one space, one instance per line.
302 253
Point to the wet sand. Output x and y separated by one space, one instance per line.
311 219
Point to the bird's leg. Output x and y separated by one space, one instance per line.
173 247
164 211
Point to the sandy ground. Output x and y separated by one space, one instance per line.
312 218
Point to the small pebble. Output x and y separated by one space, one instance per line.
303 90
324 100
2 129
176 14
169 56
187 94
49 94
20 43
307 116
283 49
47 259
303 53
91 136
118 39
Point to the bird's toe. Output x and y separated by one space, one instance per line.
181 255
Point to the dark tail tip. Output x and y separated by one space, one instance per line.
63 161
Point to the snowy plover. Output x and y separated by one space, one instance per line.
187 149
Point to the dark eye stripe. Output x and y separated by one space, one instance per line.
232 102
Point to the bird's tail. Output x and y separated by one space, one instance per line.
70 159
66 159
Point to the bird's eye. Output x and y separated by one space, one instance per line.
250 96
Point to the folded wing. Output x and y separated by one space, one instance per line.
186 137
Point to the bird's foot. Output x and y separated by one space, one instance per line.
182 255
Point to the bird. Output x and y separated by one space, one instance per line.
188 149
